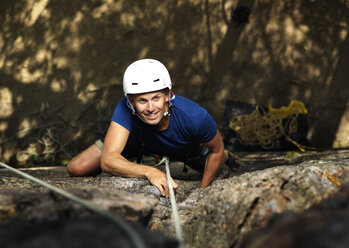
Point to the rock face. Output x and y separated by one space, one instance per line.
323 225
222 215
230 209
77 233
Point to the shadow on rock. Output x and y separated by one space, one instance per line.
77 233
324 225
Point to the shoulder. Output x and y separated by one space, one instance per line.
123 105
189 111
195 118
123 101
122 108
123 114
188 107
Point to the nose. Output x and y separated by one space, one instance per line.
150 107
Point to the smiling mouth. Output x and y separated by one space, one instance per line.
151 116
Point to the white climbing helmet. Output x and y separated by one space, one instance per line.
146 75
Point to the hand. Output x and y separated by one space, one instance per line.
159 179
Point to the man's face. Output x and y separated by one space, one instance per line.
151 106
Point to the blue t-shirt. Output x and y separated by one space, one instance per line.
189 126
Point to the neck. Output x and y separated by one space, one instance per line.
163 124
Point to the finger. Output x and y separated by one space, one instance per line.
161 189
166 190
174 184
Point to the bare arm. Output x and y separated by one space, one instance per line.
214 159
113 162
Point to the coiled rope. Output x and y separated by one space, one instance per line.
46 146
263 127
134 237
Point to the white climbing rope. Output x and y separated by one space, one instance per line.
134 237
178 228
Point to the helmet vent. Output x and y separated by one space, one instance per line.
146 75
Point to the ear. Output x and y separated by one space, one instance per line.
167 95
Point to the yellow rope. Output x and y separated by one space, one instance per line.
263 127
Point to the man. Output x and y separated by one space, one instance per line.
151 116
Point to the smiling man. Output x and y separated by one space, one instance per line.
152 117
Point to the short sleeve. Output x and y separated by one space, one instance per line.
206 127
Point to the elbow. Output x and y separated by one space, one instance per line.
104 165
109 164
80 166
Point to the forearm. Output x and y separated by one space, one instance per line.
213 164
116 164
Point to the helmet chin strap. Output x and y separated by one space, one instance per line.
172 97
130 105
133 109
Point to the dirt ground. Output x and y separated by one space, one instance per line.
61 65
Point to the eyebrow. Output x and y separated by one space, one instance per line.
142 98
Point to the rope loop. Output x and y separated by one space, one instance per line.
263 127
